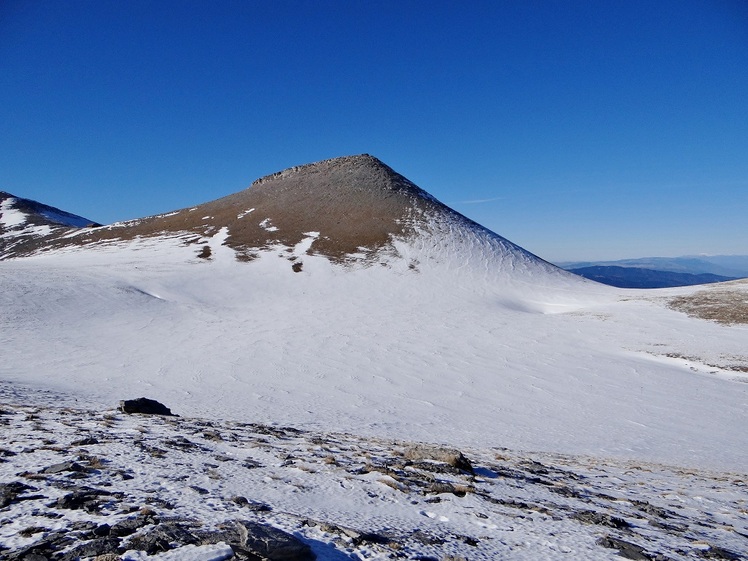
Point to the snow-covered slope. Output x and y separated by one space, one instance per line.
82 483
27 226
339 296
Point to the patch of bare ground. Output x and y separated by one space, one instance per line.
726 304
734 364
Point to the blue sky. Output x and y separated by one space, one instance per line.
579 130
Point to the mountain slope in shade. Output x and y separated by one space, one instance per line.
27 226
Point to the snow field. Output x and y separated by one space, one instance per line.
454 349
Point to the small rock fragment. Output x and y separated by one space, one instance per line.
88 441
601 519
64 466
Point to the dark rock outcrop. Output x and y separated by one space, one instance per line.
10 491
625 549
93 548
161 537
63 467
251 540
85 499
144 406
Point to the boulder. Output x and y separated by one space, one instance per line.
161 538
144 406
82 499
449 456
62 467
10 491
93 548
129 526
252 540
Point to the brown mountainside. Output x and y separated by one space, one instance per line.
356 203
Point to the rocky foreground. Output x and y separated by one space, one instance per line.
82 483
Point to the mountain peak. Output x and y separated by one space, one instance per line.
324 166
359 172
347 209
356 204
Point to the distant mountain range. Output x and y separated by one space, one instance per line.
662 272
636 277
725 265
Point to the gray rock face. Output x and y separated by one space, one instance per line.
129 526
251 540
93 548
449 456
161 537
62 467
86 499
144 406
272 543
601 519
9 492
625 549
42 550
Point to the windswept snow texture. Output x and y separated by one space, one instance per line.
435 346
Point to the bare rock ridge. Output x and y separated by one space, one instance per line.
356 206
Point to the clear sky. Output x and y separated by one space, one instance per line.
597 129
